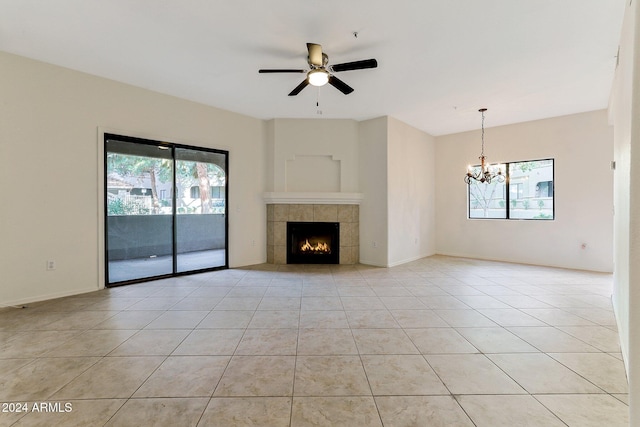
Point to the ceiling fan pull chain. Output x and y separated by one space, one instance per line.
318 110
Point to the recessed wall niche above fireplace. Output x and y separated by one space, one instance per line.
313 242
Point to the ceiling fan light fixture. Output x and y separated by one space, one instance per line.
318 77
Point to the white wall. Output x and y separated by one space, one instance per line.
582 146
620 117
373 184
49 168
411 193
314 155
397 178
634 228
624 112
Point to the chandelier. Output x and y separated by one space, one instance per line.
486 173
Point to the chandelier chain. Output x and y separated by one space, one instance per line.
486 173
482 151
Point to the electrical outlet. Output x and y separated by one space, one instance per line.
51 265
374 244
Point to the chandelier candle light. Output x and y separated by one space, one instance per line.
486 174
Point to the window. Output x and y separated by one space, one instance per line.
487 200
527 193
544 189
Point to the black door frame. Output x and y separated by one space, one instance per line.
169 146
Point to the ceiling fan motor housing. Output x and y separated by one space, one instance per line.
325 61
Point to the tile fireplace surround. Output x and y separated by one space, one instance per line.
348 215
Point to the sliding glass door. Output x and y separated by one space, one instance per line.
201 209
165 209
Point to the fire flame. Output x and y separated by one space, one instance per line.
320 247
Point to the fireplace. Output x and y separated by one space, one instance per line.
347 215
313 242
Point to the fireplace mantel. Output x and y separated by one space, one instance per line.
313 198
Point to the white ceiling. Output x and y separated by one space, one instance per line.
439 60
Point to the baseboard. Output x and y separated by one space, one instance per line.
39 298
371 263
523 262
623 343
405 261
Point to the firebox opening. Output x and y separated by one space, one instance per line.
313 242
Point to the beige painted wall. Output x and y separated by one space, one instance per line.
313 155
620 111
411 193
49 168
397 178
582 146
374 214
624 112
634 228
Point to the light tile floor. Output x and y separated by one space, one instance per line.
437 342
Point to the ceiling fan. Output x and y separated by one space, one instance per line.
320 73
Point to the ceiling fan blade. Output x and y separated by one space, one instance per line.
340 85
315 54
355 65
283 70
298 88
